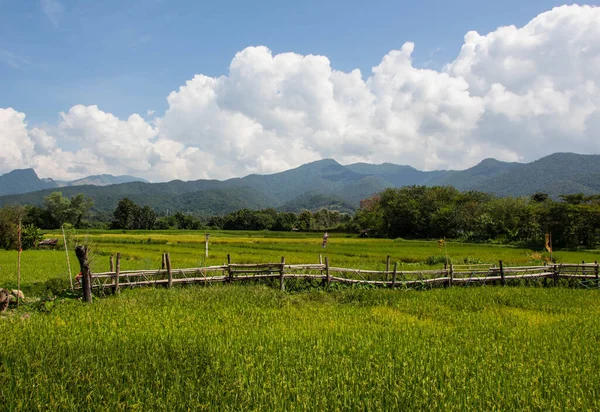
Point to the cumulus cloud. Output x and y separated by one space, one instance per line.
514 94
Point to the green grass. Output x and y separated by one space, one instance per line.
252 347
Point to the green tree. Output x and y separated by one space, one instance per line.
124 214
9 222
58 208
304 220
147 218
63 210
79 205
30 237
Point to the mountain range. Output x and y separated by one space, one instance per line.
324 183
26 180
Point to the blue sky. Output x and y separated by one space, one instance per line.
189 89
127 56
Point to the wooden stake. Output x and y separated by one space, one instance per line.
111 263
164 261
394 274
206 236
327 271
387 267
229 271
451 277
502 273
169 271
321 262
67 254
281 274
82 256
596 273
117 272
19 263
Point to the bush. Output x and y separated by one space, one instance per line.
56 286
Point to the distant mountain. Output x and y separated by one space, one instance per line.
26 180
324 183
479 175
556 174
103 180
23 181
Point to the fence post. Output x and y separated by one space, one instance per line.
111 264
206 236
502 273
555 274
596 273
394 274
387 268
229 271
451 275
327 271
169 271
117 271
281 274
164 261
82 256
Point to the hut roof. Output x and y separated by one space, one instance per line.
48 242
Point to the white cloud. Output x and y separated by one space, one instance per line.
513 94
12 60
53 9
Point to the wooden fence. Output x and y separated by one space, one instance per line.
585 274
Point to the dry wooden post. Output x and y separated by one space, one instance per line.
82 256
555 274
117 272
67 255
169 271
451 275
229 271
596 273
206 236
387 268
394 274
281 274
321 262
164 261
111 264
502 273
19 264
327 274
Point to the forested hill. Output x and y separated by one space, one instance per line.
326 183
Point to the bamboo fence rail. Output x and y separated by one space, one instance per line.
464 275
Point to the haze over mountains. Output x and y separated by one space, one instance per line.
323 183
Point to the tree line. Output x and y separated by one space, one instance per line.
419 212
55 212
129 215
412 212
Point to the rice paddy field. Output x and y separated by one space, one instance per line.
252 347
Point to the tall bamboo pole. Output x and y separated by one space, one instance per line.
19 263
67 254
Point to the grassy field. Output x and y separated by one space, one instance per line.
143 250
251 347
